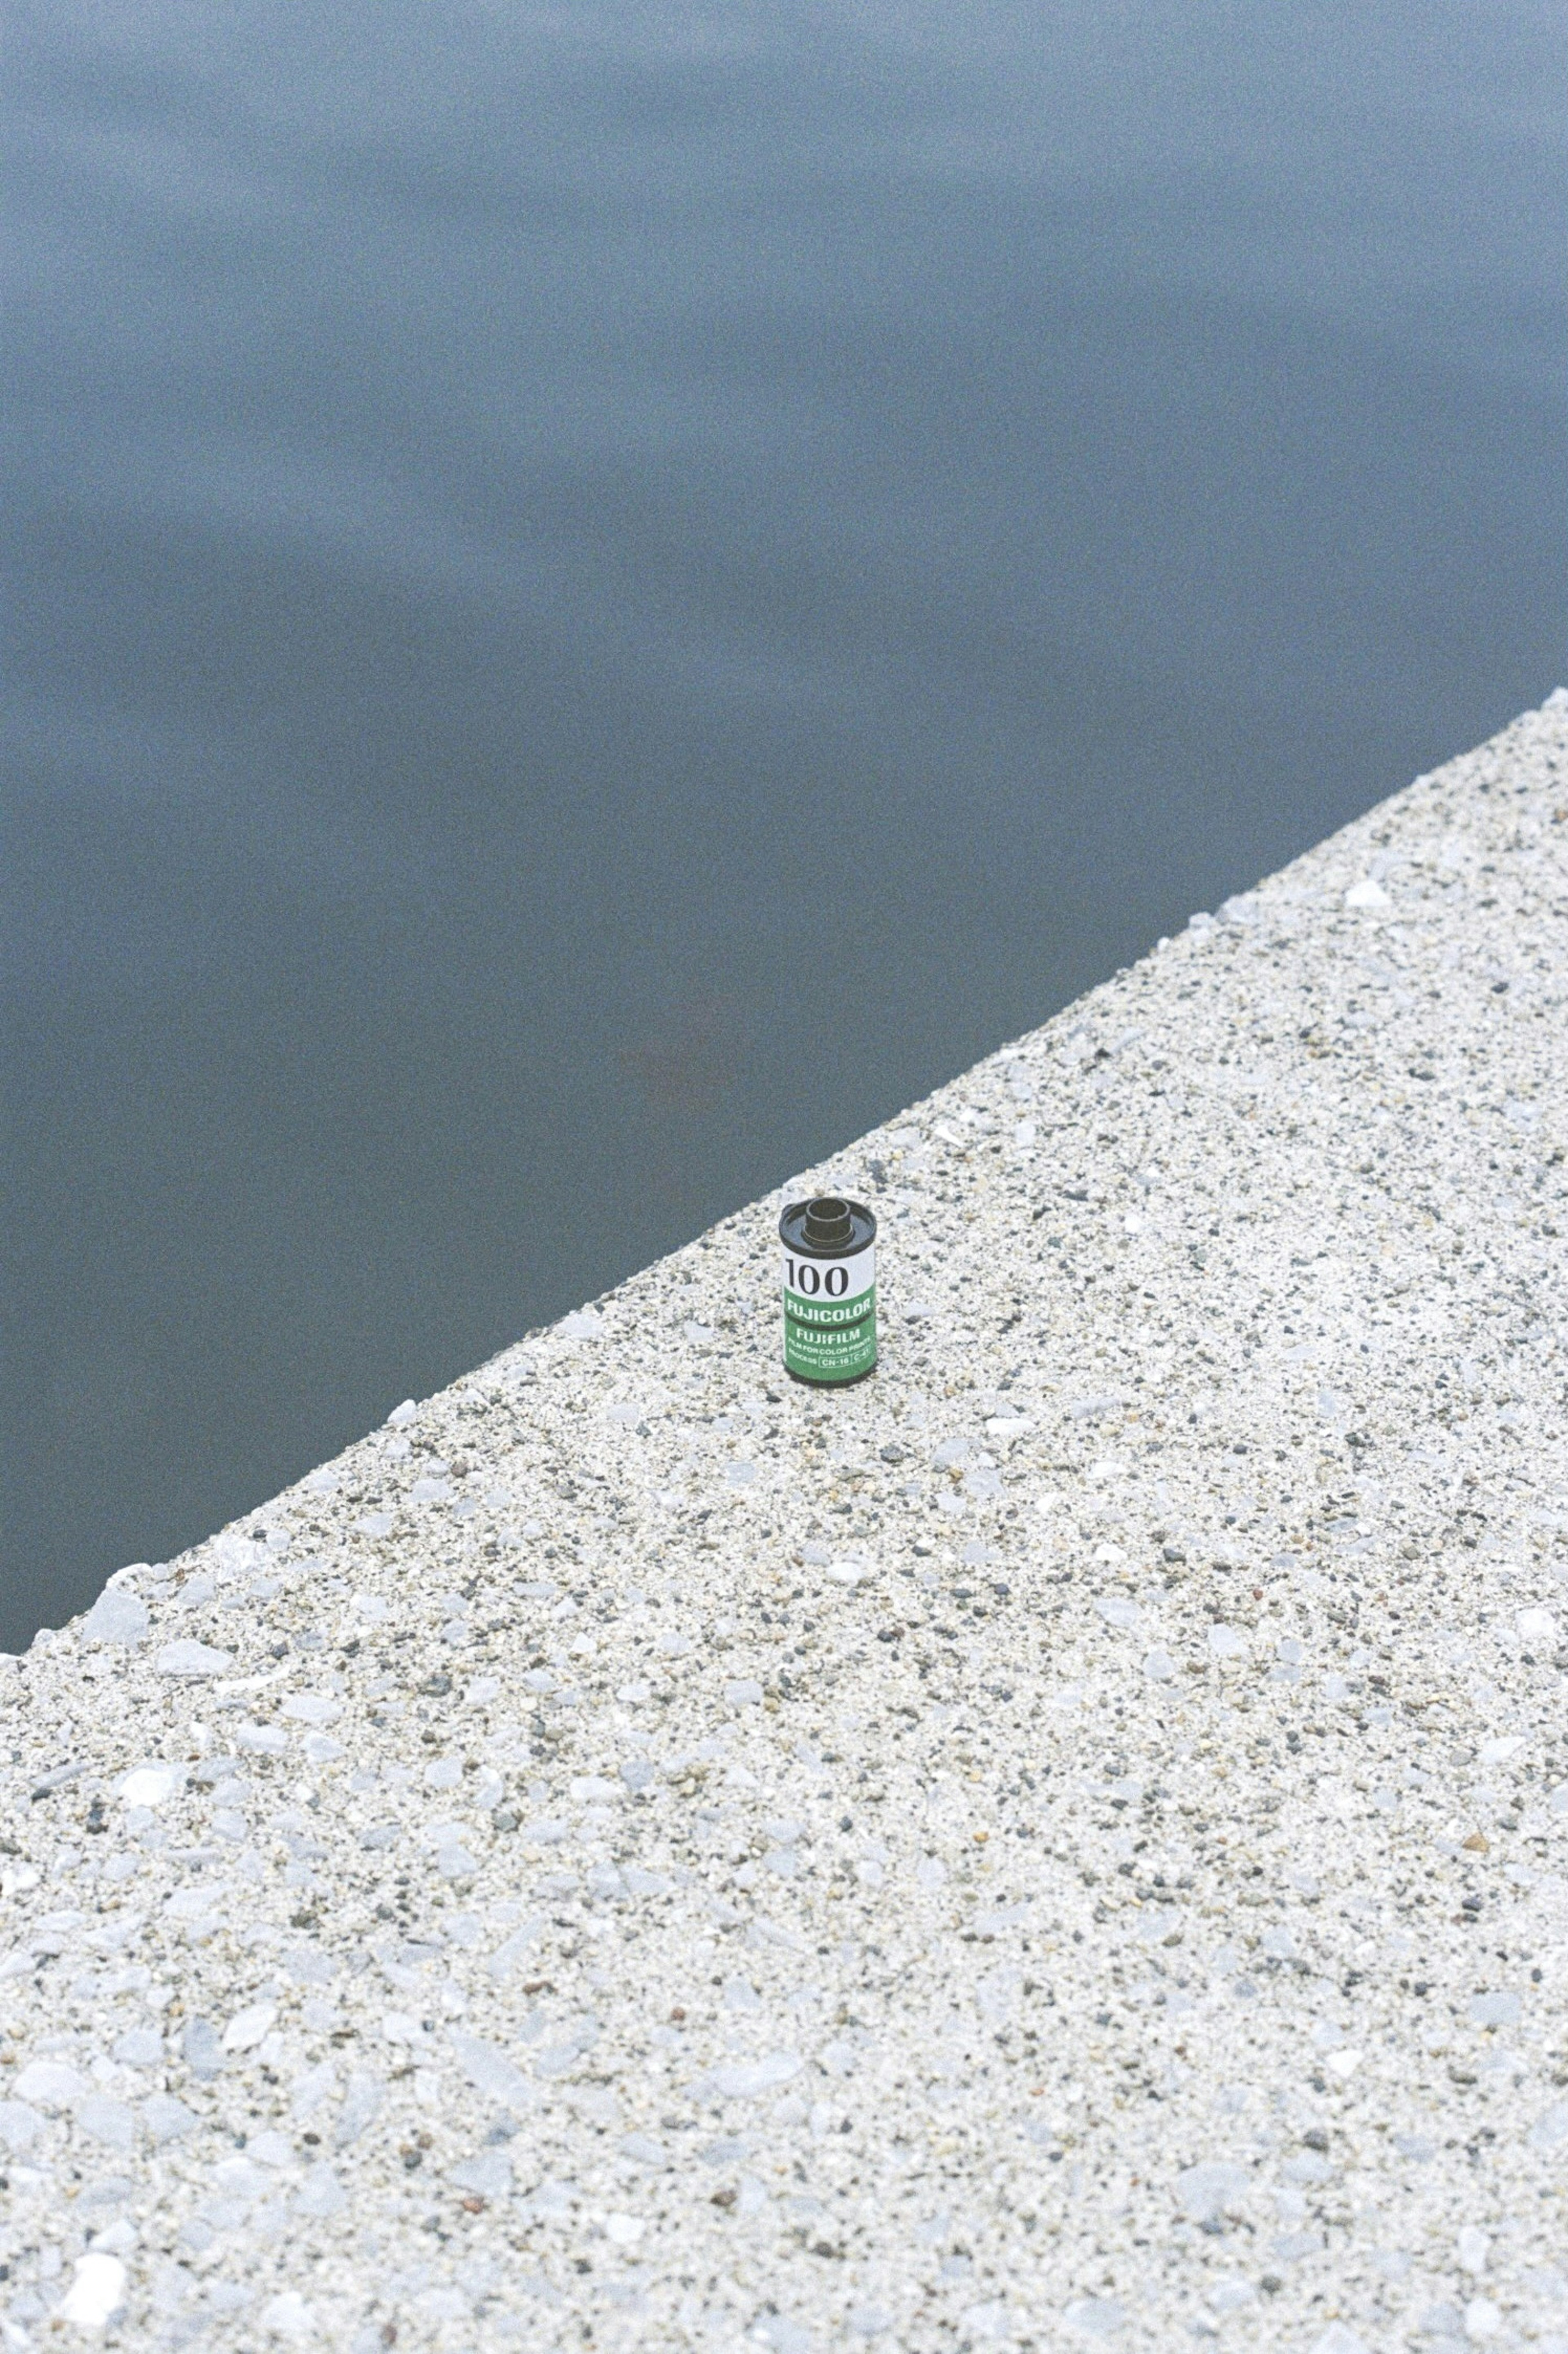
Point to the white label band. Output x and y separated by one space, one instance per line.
826 1280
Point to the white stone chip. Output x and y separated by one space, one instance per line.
1093 2316
744 2080
117 2239
361 2106
1212 2188
192 1662
166 2118
1338 2339
118 1617
1550 2130
19 2127
311 1708
261 1739
49 2085
106 2120
1472 2248
488 2174
321 2195
287 2316
490 2072
150 1785
198 1904
248 2027
96 2293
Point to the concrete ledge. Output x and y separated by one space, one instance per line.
1062 1843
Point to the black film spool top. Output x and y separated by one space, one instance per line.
827 1227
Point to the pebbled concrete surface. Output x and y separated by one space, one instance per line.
1063 1844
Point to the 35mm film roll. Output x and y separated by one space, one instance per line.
830 1290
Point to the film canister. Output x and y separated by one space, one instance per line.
829 1290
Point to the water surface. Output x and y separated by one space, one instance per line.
602 595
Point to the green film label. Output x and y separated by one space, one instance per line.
829 1316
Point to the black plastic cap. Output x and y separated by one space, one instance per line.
828 1224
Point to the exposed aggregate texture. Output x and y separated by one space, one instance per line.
1061 1844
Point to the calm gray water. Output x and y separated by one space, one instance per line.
602 595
